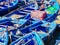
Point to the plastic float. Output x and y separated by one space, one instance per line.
8 5
38 14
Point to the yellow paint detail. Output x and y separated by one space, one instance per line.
16 16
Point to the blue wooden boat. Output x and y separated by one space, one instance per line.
50 30
47 30
3 35
29 39
22 12
11 21
43 28
52 11
32 25
49 17
8 7
55 12
5 20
